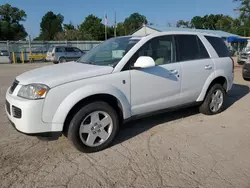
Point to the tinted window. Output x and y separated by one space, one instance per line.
187 47
219 46
161 49
202 50
60 49
69 49
77 50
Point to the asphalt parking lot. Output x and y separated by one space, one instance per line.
177 149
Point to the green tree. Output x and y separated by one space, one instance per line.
182 23
133 22
120 29
51 25
67 27
10 27
244 18
225 23
197 22
93 28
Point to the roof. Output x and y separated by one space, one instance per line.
214 32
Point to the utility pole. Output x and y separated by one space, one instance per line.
115 26
106 23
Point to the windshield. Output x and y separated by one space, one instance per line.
109 52
50 48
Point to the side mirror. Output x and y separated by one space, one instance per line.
144 62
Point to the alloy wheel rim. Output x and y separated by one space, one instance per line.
96 128
216 101
63 60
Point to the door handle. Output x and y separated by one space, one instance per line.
208 67
174 71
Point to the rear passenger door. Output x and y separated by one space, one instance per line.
70 53
196 66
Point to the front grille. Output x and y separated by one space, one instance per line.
17 112
13 86
7 106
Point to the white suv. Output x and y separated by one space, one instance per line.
121 78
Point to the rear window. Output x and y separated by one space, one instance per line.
50 48
219 46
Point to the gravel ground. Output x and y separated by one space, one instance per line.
178 149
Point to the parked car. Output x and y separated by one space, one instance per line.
246 70
4 56
243 56
122 78
62 54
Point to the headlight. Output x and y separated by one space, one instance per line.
33 91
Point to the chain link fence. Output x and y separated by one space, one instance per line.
41 47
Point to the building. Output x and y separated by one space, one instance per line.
234 42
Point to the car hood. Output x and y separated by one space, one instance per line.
62 73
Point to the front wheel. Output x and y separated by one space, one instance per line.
214 100
94 127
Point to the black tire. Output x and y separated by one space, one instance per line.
246 79
205 106
62 60
241 62
73 130
55 62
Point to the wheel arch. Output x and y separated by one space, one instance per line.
108 98
221 79
96 92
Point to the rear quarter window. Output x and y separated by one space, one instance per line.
219 46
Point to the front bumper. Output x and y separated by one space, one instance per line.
30 121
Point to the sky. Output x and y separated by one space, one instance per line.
160 12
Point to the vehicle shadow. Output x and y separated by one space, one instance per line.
136 127
237 92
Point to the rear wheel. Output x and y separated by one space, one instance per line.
94 127
62 60
214 100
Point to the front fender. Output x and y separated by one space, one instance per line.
210 79
72 99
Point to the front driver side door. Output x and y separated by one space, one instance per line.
158 87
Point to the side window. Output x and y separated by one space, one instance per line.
219 46
69 49
161 49
60 49
77 50
202 50
187 47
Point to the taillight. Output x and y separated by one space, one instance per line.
53 54
232 64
